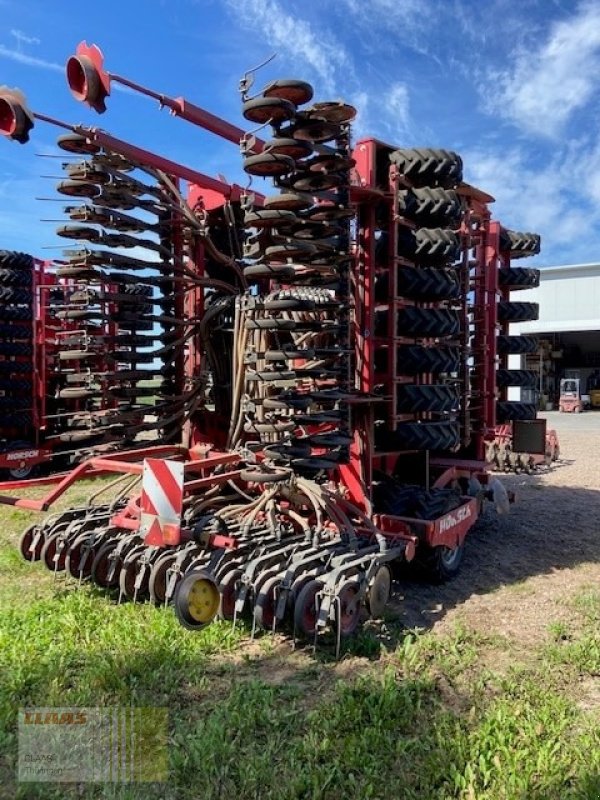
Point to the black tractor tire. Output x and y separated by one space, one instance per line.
10 259
10 295
16 349
517 345
427 322
518 278
137 289
415 359
8 331
16 314
430 206
520 244
427 285
438 398
21 386
516 377
16 367
12 403
15 277
423 436
429 245
507 410
428 167
511 311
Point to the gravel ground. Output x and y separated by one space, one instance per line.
520 570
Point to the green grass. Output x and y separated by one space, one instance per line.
424 716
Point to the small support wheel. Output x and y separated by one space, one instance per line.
49 551
265 606
227 592
157 584
26 546
443 563
196 600
101 566
306 609
379 592
348 612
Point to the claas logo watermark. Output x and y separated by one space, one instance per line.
93 745
55 718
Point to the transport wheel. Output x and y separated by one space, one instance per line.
443 563
26 543
430 206
520 244
517 311
196 600
428 167
379 592
227 592
266 604
17 473
349 608
305 609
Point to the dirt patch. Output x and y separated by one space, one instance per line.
521 571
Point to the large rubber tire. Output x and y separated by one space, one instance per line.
507 410
511 311
517 377
427 285
10 295
423 436
435 398
520 244
10 259
8 331
518 278
429 245
414 359
427 322
16 348
18 314
441 564
428 167
517 345
15 367
15 277
430 206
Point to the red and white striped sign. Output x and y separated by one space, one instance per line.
162 501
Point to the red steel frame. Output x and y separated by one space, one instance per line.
449 530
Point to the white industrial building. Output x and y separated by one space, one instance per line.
568 327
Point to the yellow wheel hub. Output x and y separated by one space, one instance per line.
203 600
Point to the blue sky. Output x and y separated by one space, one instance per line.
512 85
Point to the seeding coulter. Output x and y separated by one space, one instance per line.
333 360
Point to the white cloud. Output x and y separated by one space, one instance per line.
558 200
29 61
543 88
399 105
22 38
295 36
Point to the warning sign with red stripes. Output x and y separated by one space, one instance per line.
162 501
